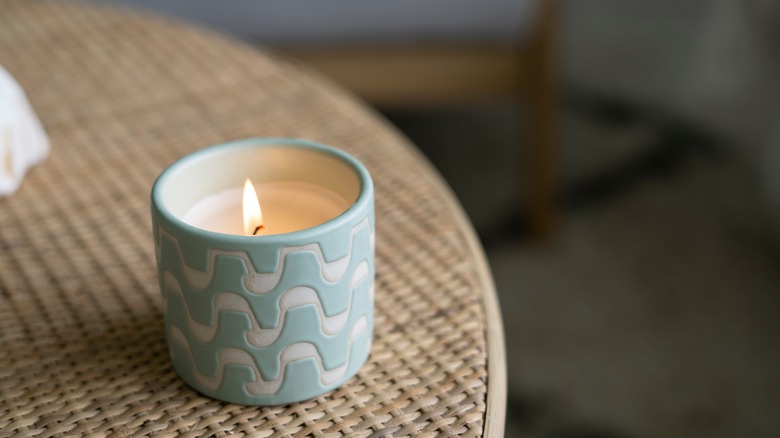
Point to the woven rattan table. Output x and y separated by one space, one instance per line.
82 348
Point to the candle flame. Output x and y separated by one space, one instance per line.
253 217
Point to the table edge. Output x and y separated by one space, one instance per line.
495 415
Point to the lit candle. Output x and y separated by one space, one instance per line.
269 283
277 207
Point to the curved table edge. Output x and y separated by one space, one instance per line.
495 415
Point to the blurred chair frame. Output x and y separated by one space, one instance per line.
398 77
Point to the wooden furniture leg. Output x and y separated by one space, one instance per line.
540 161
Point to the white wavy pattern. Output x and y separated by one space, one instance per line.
260 282
295 297
292 353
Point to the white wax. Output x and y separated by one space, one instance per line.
287 206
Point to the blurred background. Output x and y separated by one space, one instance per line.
620 160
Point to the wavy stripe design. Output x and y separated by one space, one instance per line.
292 353
295 297
260 282
286 320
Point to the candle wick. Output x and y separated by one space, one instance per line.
258 229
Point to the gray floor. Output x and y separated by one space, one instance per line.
655 313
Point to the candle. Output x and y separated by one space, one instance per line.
286 206
268 284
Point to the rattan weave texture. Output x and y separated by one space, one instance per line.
82 347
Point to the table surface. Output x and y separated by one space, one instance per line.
82 346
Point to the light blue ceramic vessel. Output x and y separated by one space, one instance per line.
266 320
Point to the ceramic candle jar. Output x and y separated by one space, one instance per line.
275 318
